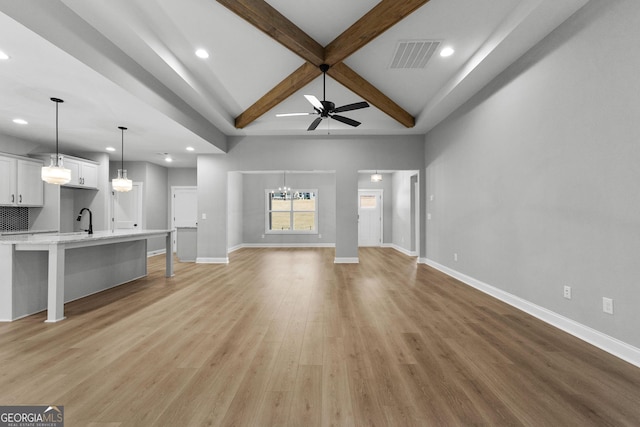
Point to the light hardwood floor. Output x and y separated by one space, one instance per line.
285 337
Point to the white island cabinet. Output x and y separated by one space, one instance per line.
41 272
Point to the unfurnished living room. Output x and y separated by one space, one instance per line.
285 213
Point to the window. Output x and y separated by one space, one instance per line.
293 212
368 201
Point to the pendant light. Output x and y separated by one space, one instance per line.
121 183
376 177
284 189
55 173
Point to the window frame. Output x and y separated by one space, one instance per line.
291 211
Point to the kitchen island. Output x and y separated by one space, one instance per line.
43 271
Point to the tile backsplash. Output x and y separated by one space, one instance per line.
14 219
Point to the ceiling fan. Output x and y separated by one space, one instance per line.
327 109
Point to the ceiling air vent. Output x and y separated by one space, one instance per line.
413 54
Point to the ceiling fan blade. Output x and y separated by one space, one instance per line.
292 114
315 102
315 124
349 107
345 120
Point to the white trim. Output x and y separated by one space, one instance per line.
235 248
282 245
156 252
605 342
346 260
204 260
400 249
422 260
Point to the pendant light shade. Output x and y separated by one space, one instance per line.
56 173
122 183
376 177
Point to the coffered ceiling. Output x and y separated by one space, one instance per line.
133 63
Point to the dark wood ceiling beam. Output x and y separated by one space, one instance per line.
287 87
354 82
379 19
267 19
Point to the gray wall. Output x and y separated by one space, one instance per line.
343 155
19 147
235 217
402 210
535 180
254 187
155 199
187 177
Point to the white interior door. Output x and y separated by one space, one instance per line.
184 209
127 208
370 217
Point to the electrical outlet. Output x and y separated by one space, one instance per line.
319 236
428 215
455 257
567 292
607 305
204 216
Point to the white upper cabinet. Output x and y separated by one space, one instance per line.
7 181
84 173
20 182
30 185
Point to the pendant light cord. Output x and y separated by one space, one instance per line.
57 101
122 128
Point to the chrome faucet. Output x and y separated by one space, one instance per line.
90 230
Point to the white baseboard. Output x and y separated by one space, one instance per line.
346 260
283 245
400 249
203 260
235 248
605 342
156 252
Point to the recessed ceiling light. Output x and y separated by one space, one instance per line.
201 53
446 51
20 121
110 149
3 55
190 149
168 159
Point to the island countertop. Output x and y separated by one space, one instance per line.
77 237
42 271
